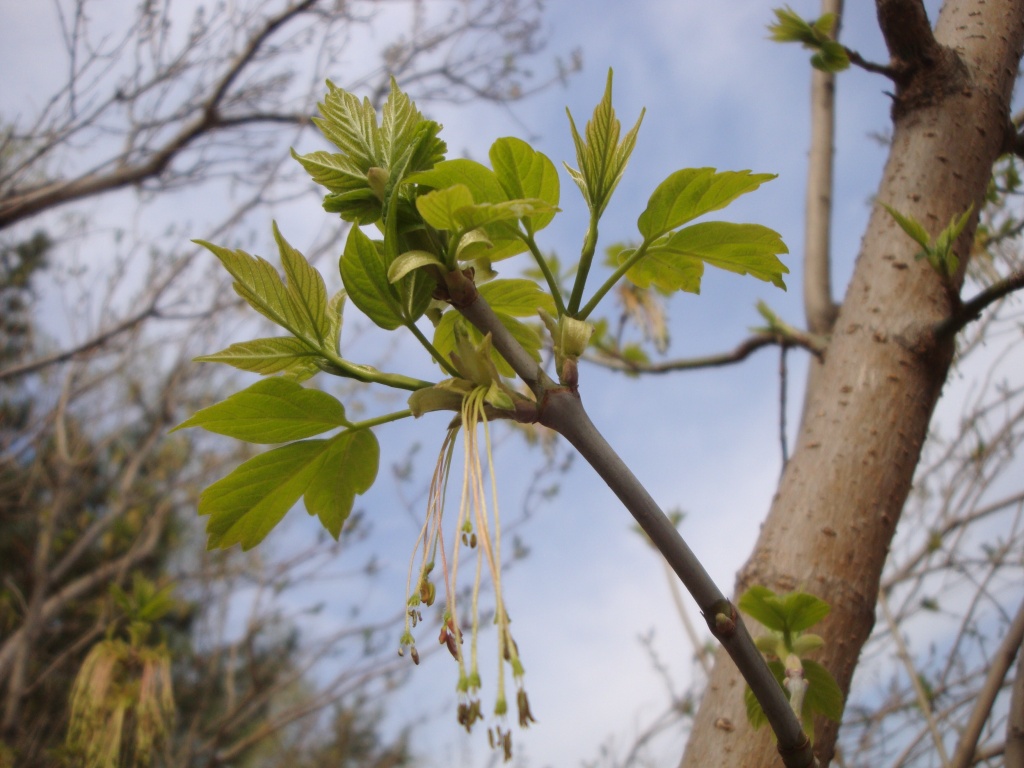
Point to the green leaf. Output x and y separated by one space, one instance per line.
763 605
803 610
910 225
349 467
484 214
823 696
411 260
676 262
306 287
261 286
526 173
338 173
789 27
755 714
517 297
692 192
404 143
364 271
601 156
508 306
438 208
351 125
264 356
246 505
335 308
483 184
271 411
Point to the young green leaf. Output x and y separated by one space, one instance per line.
676 262
692 192
823 696
601 156
509 299
306 287
364 271
349 467
265 356
246 505
438 208
526 173
910 225
411 260
483 184
789 27
802 610
335 308
763 605
271 411
261 286
351 125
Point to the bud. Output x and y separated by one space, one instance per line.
377 178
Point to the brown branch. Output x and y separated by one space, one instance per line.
971 310
34 201
871 66
999 666
613 361
1014 748
908 35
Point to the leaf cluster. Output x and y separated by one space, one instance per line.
787 618
938 252
441 226
817 35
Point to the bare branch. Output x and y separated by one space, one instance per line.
972 309
609 358
999 667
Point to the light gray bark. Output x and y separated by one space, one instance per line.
843 490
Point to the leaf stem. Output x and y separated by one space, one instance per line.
586 259
339 366
377 421
608 284
446 364
548 276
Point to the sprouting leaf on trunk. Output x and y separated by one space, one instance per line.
816 35
939 253
600 155
272 410
788 613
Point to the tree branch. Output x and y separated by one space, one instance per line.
971 310
999 667
560 409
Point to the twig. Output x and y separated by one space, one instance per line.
971 310
611 360
999 667
915 680
560 408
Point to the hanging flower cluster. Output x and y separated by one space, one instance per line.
477 392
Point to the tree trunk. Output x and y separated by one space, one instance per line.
831 522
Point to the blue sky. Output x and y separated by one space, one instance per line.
717 93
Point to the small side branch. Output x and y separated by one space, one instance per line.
608 358
971 310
